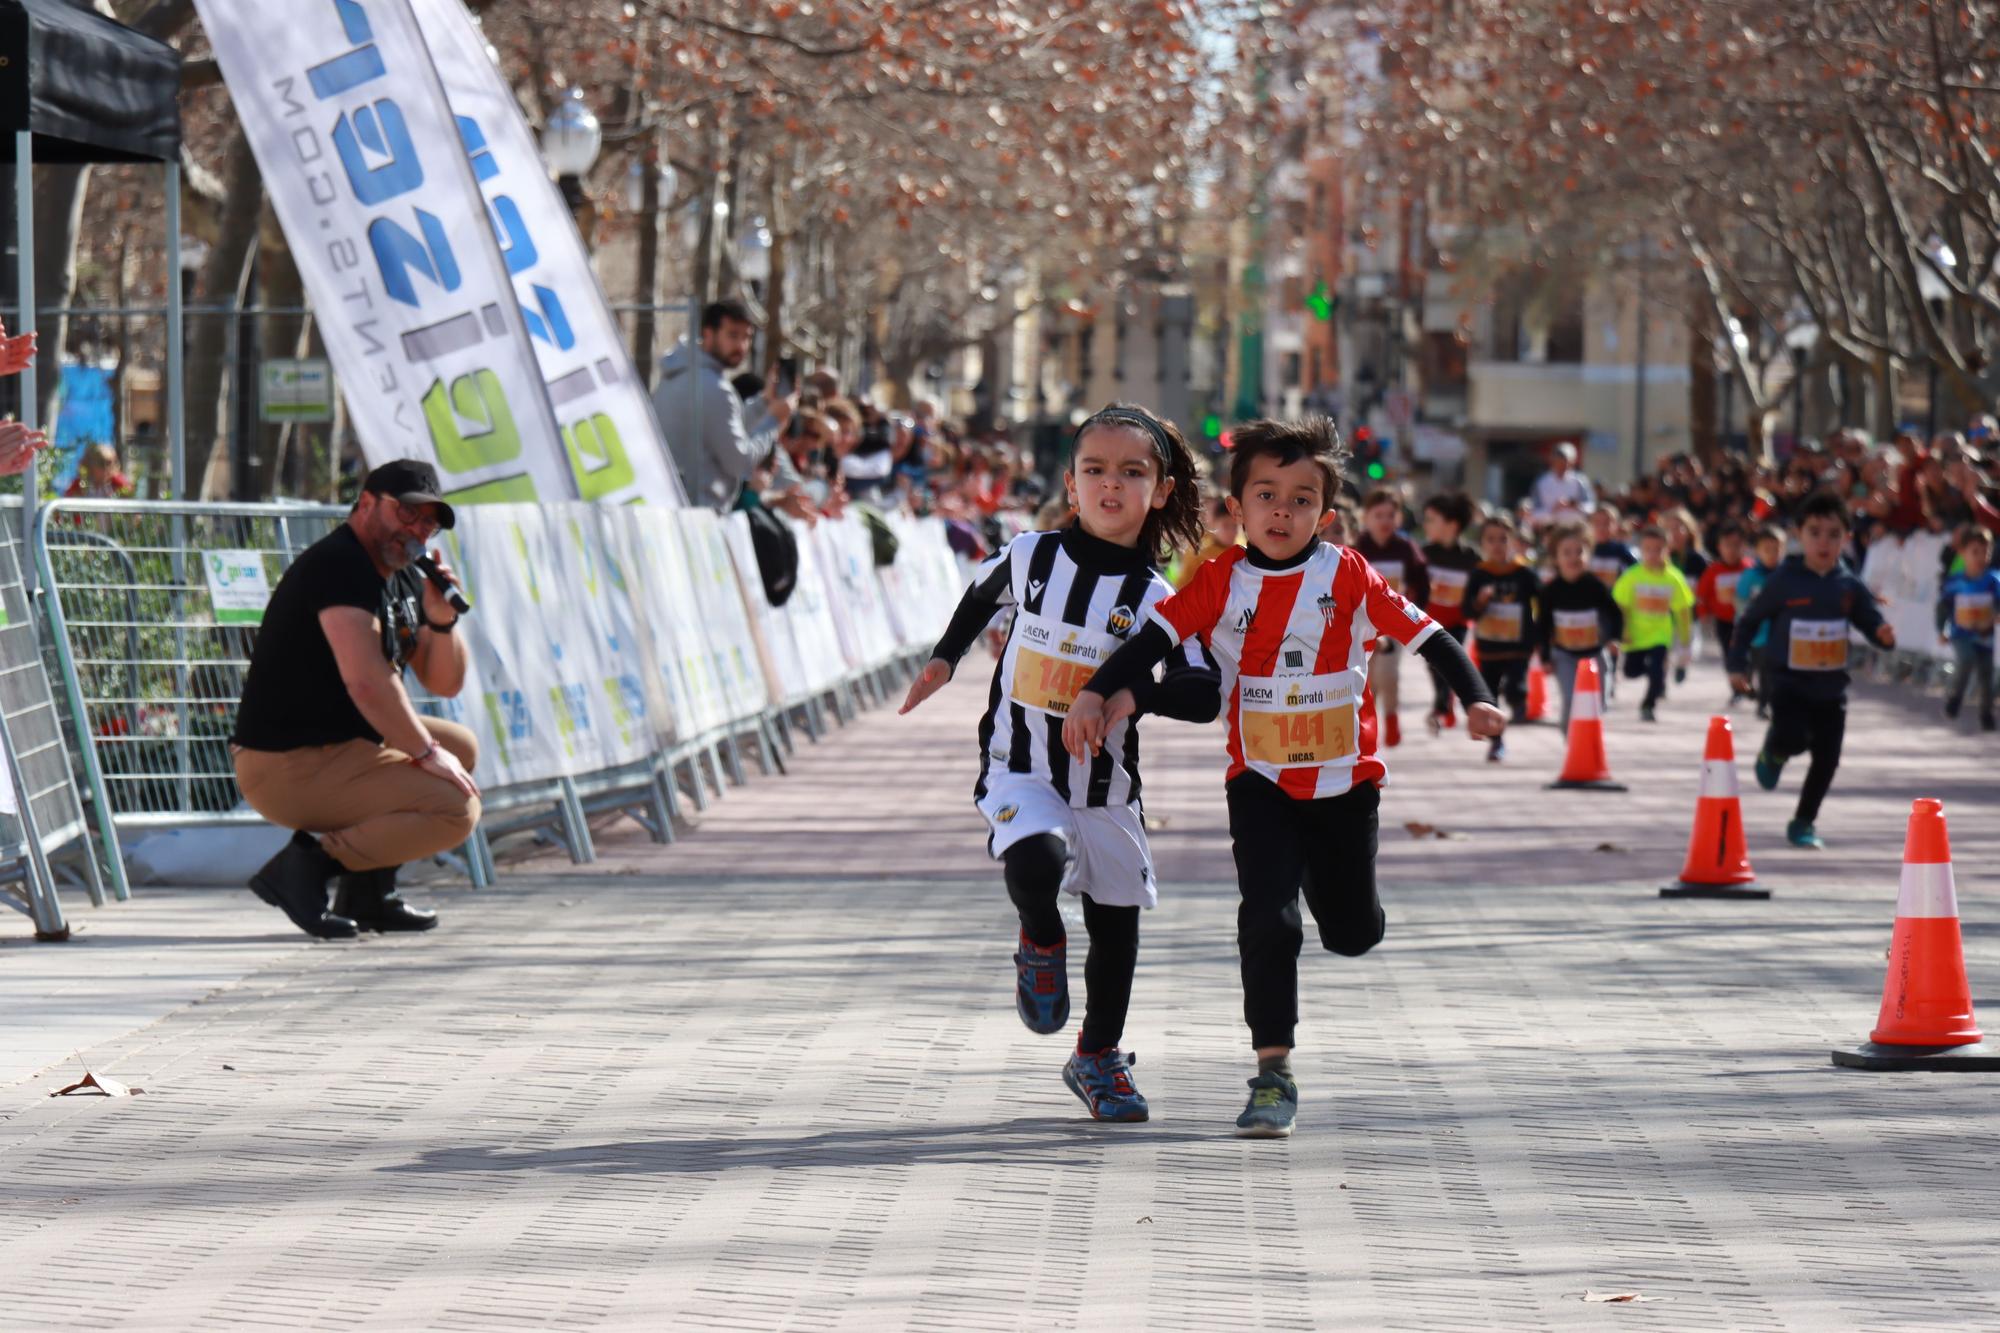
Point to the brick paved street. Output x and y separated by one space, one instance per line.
771 1077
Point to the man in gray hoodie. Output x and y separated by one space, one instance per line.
703 419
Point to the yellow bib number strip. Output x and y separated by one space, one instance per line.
1048 684
1290 740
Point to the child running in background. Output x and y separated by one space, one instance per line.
1610 556
1293 617
1658 607
1965 621
1502 594
1811 603
1450 563
1401 566
1220 536
1061 824
1685 554
1715 594
1769 545
1578 616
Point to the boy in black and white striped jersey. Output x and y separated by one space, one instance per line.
1058 823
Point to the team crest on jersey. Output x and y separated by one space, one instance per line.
1005 814
1326 606
1120 622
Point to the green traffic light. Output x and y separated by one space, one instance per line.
1376 472
1211 426
1320 302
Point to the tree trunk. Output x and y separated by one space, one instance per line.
283 336
774 307
1702 399
59 196
208 338
645 338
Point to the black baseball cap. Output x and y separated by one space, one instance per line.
412 481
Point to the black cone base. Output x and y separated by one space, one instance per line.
1683 889
1597 784
1975 1058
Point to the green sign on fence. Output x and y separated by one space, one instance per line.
237 586
297 390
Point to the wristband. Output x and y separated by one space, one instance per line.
420 759
445 628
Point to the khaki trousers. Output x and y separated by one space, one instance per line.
374 806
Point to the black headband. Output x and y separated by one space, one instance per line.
1125 416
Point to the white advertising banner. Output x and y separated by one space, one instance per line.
609 433
361 155
812 617
679 652
777 644
725 619
601 640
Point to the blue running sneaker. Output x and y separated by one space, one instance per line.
1768 771
1802 835
1273 1106
1104 1084
1041 986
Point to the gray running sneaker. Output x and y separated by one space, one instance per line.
1273 1106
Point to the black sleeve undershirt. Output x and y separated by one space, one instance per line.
975 612
1448 656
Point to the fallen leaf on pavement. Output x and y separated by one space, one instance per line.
1420 830
1156 823
230 1068
1618 1298
1608 847
91 1084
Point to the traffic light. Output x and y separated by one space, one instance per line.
1211 427
1322 302
1368 453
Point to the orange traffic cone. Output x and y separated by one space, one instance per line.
1926 1020
1717 866
1585 767
1538 691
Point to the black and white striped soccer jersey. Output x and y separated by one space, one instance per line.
1075 600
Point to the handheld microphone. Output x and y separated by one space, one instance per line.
426 566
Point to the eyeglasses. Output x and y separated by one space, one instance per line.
416 519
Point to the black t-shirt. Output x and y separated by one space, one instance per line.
293 696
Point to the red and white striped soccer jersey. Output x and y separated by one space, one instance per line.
1294 646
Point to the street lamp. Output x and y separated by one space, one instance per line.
1801 336
571 139
1935 292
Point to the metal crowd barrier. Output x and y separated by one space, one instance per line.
151 676
45 818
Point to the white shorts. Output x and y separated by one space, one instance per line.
1108 855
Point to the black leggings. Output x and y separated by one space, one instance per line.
1507 677
1327 848
1802 725
1034 868
1652 664
1441 695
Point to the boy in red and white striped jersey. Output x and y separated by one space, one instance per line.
1292 620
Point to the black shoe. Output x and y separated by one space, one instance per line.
1986 722
1951 707
294 882
370 898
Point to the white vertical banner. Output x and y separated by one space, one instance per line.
609 434
362 159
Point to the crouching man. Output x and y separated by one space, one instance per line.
327 741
